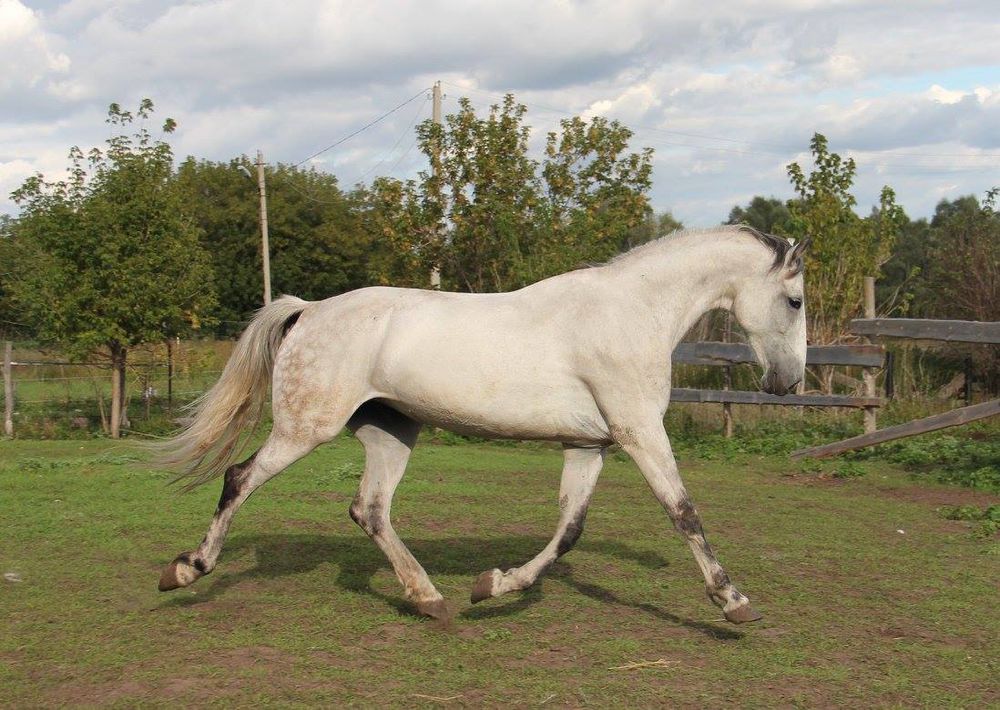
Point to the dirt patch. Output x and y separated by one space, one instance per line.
937 497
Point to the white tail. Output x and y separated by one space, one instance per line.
203 449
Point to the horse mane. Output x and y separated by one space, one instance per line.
779 246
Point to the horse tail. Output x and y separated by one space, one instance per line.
223 418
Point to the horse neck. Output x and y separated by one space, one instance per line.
682 278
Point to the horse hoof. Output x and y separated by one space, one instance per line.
742 614
179 573
485 584
436 609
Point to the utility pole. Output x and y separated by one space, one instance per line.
8 392
265 249
436 116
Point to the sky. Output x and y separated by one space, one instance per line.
727 93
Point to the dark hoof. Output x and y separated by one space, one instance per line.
180 573
168 580
483 587
437 609
742 614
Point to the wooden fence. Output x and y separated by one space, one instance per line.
952 331
870 357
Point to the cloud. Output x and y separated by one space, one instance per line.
727 93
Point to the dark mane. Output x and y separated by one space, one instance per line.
779 245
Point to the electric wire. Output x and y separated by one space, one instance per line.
364 128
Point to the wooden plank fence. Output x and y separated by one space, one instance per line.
716 354
953 331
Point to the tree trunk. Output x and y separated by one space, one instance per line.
118 354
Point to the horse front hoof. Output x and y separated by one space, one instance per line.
742 614
180 573
436 609
485 585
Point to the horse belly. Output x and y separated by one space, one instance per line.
498 403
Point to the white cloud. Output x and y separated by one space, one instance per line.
728 93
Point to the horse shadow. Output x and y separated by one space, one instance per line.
281 555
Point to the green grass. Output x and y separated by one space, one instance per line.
871 596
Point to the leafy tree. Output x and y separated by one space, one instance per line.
106 258
317 246
845 248
652 227
495 219
596 191
964 263
767 214
489 191
404 230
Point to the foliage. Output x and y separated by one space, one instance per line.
317 248
492 218
106 259
767 214
652 227
949 267
845 247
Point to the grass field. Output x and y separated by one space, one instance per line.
870 596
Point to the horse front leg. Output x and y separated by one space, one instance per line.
649 447
581 467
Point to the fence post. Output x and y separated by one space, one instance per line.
727 382
8 391
868 373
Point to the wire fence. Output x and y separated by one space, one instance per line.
53 395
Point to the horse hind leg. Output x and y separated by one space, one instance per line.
581 467
389 438
239 483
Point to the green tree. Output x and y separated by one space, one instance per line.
652 227
317 246
767 214
596 192
488 189
107 259
845 248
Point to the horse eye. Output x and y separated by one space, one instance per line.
795 303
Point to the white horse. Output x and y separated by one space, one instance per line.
582 358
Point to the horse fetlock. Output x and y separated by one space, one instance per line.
183 571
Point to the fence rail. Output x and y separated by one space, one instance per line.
951 331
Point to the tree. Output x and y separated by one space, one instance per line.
845 247
596 191
767 214
495 219
652 227
106 259
318 248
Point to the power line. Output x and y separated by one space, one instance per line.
387 154
364 127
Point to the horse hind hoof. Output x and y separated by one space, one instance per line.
742 614
485 585
179 573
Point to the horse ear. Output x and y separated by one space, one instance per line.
794 262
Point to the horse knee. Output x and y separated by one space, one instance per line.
368 513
